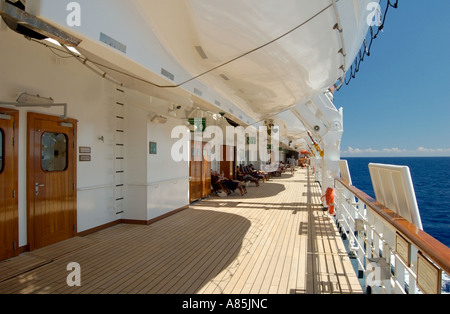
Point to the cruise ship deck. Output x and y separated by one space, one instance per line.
276 239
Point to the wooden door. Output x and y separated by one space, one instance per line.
200 172
8 184
227 163
195 174
51 186
206 171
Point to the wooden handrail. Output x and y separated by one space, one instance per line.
438 252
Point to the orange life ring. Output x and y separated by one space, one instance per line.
329 197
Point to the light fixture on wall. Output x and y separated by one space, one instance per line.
191 128
158 119
28 99
56 43
19 20
25 100
173 110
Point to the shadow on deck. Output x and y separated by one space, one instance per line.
274 240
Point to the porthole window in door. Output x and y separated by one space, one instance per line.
54 152
2 140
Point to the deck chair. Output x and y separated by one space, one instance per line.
254 174
246 178
218 187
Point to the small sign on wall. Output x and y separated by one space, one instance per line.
153 148
85 157
85 154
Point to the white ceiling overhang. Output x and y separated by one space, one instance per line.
260 57
265 56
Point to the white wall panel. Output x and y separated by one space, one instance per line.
30 67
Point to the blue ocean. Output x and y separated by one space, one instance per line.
431 178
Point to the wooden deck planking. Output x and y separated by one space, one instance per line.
275 239
273 273
254 252
273 255
219 284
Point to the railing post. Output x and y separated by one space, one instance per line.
413 289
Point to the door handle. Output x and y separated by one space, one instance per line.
37 186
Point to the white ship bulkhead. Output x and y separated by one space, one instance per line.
32 68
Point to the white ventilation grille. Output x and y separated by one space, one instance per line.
167 74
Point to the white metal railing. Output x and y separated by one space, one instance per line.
389 258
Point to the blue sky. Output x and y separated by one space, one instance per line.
399 102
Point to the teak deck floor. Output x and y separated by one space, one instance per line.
274 240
